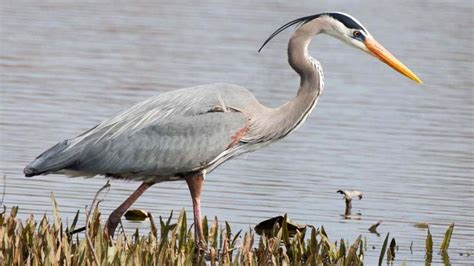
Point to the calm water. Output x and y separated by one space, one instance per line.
66 66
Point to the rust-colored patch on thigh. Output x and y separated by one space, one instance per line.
238 135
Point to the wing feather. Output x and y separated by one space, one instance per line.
175 132
180 146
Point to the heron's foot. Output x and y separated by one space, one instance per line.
201 252
201 246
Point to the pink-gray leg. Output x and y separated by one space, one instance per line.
115 216
195 184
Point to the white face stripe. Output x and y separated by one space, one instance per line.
338 30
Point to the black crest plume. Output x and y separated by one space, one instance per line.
302 20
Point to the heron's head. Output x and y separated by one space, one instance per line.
347 29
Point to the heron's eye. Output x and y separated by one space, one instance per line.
357 34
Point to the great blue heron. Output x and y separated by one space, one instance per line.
185 134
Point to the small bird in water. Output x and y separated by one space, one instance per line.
185 134
373 228
348 196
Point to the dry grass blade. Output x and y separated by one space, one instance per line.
88 212
352 254
57 218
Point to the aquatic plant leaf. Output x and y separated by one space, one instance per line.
323 232
213 233
447 238
365 243
153 229
342 249
429 243
362 250
74 221
181 227
228 230
391 250
14 211
234 240
44 244
445 258
205 228
384 248
352 258
284 229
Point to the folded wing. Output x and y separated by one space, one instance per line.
178 132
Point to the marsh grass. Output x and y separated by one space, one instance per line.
51 242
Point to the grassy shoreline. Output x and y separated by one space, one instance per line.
51 242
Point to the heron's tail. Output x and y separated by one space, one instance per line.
53 159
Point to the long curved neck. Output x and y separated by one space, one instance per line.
302 62
308 68
293 114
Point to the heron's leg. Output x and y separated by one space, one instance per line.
115 216
195 184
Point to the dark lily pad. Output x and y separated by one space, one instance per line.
136 215
267 226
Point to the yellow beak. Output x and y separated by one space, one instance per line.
377 50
